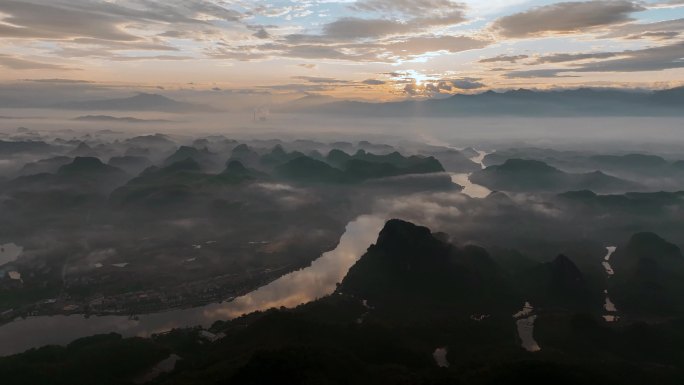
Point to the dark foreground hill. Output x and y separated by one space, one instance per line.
408 297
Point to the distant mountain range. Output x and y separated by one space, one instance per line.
139 102
521 102
124 119
534 175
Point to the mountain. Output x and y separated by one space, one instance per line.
308 101
159 141
237 171
629 161
278 156
204 157
178 184
49 165
408 298
89 167
360 167
83 150
246 155
534 175
337 157
558 283
647 203
306 169
409 266
521 102
139 102
649 276
124 119
80 177
8 148
131 164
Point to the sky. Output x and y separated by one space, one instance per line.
363 49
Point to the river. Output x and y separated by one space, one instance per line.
469 188
609 306
290 290
9 252
525 325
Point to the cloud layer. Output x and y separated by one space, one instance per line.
444 46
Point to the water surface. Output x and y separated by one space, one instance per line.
608 305
9 252
525 326
290 290
469 188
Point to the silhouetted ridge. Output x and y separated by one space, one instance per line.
653 246
411 266
649 276
337 157
527 165
83 149
564 273
86 165
187 164
535 175
306 169
405 238
235 166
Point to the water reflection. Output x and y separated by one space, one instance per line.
526 333
165 366
440 357
9 252
469 188
525 325
313 282
290 290
609 306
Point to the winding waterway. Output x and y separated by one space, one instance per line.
469 188
525 325
609 306
9 252
290 290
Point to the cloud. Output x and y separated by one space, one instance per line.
468 83
664 35
105 26
565 18
401 17
419 13
441 87
323 80
309 66
504 58
409 7
16 63
538 73
572 57
261 34
351 28
631 30
386 51
374 82
648 59
423 44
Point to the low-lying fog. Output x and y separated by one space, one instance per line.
598 133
